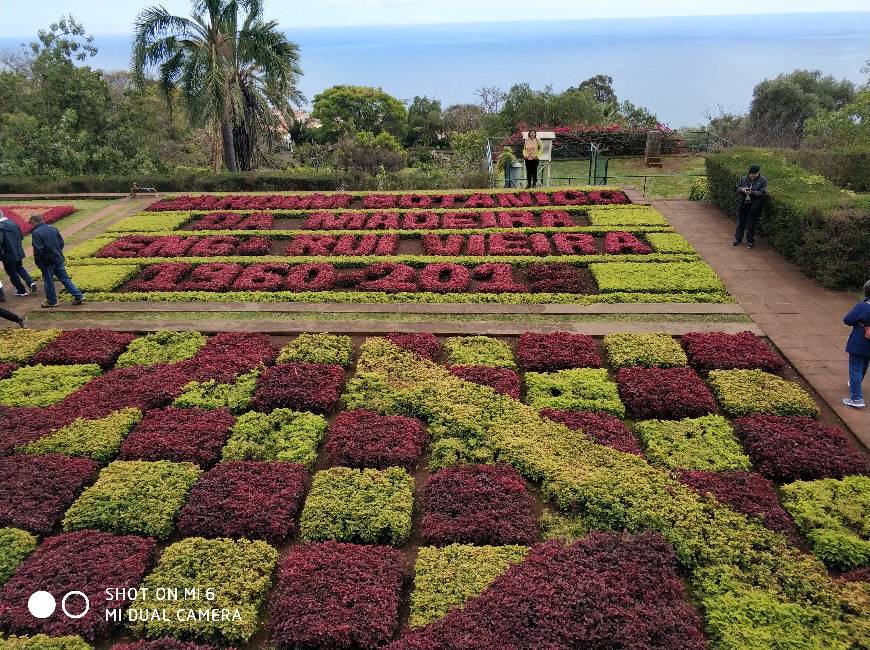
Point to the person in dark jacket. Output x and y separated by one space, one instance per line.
8 315
858 348
751 190
12 256
48 254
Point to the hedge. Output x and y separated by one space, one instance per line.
448 577
45 385
848 167
239 571
479 351
626 216
161 347
15 545
744 392
670 242
98 439
19 345
580 389
662 277
319 348
664 393
719 351
823 229
235 397
658 350
705 443
93 277
45 642
834 514
603 428
350 505
134 497
280 435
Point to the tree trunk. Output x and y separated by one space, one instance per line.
229 147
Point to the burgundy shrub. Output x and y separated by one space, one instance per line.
557 351
746 492
86 561
665 393
363 438
300 386
6 369
501 380
608 590
24 424
791 448
620 243
424 344
179 434
165 643
560 278
719 351
603 428
102 347
857 575
477 504
35 491
229 354
252 499
335 595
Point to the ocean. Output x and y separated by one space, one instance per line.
681 68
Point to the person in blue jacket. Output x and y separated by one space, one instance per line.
48 255
12 256
858 348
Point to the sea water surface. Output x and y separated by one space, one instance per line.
679 67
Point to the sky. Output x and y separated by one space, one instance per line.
22 18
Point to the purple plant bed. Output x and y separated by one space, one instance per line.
300 386
229 354
425 344
363 438
86 561
335 595
629 583
857 575
35 491
791 448
664 393
477 504
719 351
6 369
501 380
102 347
603 428
165 643
181 435
256 500
746 492
21 425
557 351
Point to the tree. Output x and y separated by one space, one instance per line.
636 117
780 106
848 126
601 87
492 98
367 152
549 108
459 118
232 71
345 110
425 123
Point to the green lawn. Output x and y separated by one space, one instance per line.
84 209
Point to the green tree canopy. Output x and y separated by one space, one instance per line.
425 122
601 85
344 110
540 107
846 127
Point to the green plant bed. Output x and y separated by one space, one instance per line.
15 545
661 350
44 642
161 347
280 435
45 385
98 439
479 351
581 389
705 443
18 346
664 277
744 392
209 394
319 348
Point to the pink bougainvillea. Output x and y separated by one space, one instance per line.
603 428
102 347
477 504
719 351
424 344
664 393
501 380
334 595
557 351
363 438
300 386
251 499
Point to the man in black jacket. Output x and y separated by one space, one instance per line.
48 254
751 191
12 256
8 315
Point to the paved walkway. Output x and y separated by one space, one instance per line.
801 317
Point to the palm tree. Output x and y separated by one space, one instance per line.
237 75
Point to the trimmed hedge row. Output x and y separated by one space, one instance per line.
849 168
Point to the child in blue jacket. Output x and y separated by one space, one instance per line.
858 348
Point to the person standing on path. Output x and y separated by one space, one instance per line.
48 254
751 190
858 348
532 150
12 256
8 315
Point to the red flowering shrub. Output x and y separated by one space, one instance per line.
21 214
210 277
251 499
719 351
664 393
606 591
791 448
102 347
501 380
233 221
603 428
444 278
300 386
253 202
7 369
497 278
335 595
557 351
35 491
424 344
746 492
166 643
363 438
229 354
560 278
181 435
618 243
165 276
86 561
310 277
477 504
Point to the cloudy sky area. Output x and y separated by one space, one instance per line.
20 17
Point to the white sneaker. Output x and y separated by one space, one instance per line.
854 403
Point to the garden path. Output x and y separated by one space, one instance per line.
800 316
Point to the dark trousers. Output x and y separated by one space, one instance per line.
532 173
747 217
18 274
8 315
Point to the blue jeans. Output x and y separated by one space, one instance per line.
58 271
18 274
857 371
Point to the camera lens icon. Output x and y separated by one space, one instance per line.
42 604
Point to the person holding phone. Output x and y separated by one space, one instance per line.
751 190
532 150
858 348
